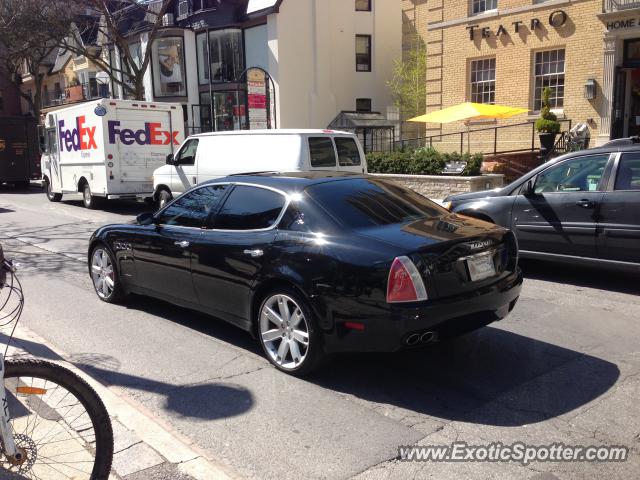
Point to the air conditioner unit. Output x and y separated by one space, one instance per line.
168 20
183 9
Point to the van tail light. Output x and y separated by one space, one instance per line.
405 283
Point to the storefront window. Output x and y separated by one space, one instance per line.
227 57
480 6
169 71
229 111
203 71
549 72
483 80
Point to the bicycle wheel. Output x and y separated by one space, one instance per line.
60 425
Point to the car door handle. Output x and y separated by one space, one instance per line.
182 244
254 253
585 203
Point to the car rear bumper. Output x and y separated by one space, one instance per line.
397 327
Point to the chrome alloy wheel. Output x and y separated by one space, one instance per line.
284 331
102 273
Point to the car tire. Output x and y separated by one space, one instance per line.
104 275
164 197
90 201
302 353
52 197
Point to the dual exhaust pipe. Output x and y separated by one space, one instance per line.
416 338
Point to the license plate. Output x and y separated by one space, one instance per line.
481 266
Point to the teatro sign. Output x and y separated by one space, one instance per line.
557 19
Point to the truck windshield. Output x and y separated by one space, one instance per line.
362 202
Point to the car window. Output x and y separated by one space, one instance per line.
249 208
187 154
321 152
581 174
193 208
348 153
361 203
628 176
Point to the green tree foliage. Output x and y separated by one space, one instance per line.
408 84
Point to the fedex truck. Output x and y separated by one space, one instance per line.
108 148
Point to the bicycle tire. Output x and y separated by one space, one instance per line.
82 391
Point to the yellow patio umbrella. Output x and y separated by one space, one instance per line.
469 111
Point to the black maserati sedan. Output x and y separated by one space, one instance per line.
582 207
314 263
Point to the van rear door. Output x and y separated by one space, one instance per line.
143 138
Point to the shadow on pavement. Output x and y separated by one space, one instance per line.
582 276
489 377
207 401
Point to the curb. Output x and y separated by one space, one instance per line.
171 446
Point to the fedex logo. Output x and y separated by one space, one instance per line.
151 134
79 138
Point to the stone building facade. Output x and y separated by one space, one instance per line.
507 51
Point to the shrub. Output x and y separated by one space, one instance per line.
548 121
422 161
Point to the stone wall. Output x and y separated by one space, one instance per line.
437 187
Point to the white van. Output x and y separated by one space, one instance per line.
213 155
108 148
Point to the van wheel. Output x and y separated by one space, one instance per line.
52 197
90 201
164 197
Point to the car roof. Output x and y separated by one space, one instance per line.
279 131
288 180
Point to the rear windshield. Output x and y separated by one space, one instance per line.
362 203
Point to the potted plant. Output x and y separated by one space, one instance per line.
547 125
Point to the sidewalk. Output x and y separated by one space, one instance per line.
144 449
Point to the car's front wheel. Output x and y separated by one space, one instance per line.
288 334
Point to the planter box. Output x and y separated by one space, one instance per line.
438 187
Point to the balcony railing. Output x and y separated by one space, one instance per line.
615 5
77 93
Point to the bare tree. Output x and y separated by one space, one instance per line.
118 29
30 33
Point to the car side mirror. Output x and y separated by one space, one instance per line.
170 159
529 189
146 218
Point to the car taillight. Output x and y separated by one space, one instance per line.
405 283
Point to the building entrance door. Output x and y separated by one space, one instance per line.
632 115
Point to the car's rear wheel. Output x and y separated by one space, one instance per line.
287 332
105 275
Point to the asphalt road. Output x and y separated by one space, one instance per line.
563 367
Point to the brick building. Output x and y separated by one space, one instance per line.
507 51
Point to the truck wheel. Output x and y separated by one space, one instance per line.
164 197
90 201
52 197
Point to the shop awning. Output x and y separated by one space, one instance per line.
356 120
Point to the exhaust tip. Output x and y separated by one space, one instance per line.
427 337
412 339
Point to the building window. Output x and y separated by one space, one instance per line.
363 5
549 72
228 111
363 53
479 6
483 80
169 71
226 54
363 104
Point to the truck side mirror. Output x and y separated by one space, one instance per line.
170 159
